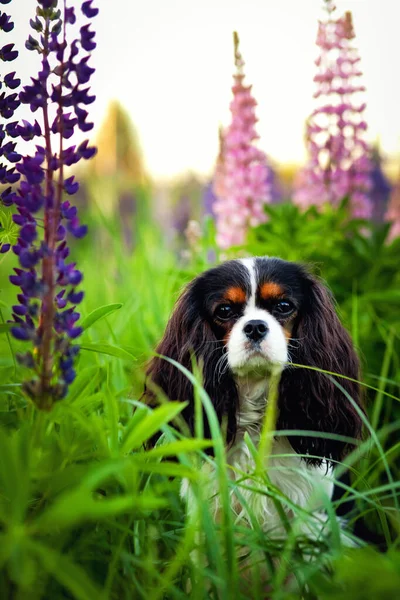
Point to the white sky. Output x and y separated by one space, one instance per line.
170 63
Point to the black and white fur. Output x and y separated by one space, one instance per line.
238 359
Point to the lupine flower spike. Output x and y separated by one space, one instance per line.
9 103
46 313
242 181
339 157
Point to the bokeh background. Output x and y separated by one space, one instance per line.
169 67
163 86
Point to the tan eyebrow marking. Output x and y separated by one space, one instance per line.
236 295
288 330
271 290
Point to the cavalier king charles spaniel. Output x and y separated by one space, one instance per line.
244 321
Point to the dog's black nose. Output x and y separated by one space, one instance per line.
256 330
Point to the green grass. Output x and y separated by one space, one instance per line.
86 512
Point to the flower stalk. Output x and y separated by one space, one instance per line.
46 315
339 157
242 182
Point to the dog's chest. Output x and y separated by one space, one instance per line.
251 496
300 485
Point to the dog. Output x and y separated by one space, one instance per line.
246 321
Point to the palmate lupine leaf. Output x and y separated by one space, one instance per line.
8 230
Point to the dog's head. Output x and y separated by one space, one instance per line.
250 318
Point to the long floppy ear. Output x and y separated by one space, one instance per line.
309 400
188 334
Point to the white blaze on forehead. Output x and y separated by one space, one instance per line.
250 264
272 350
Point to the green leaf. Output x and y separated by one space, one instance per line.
169 469
138 416
383 296
109 350
84 502
99 313
64 570
79 506
180 447
87 381
10 387
5 327
150 424
8 229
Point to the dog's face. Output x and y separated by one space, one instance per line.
252 306
252 317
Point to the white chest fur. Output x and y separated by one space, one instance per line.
301 485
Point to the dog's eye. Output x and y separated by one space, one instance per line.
283 308
224 312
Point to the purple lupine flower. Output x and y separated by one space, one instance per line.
182 213
208 199
274 185
46 314
241 179
8 105
339 158
380 189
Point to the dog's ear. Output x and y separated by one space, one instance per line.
309 400
188 335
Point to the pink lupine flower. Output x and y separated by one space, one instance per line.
339 158
242 181
219 179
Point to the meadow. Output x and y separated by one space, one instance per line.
88 508
87 512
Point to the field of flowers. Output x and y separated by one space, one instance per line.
87 510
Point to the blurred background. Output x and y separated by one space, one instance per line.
163 87
165 121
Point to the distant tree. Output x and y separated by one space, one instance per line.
118 170
119 151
